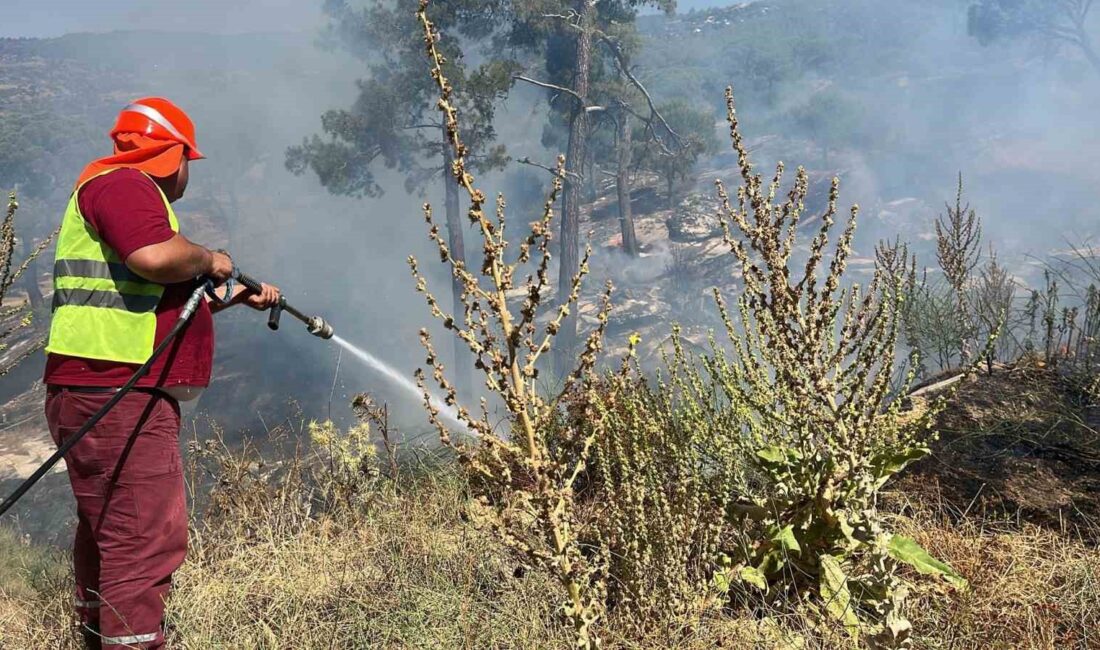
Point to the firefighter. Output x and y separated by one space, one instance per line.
122 274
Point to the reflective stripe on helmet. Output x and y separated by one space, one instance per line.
116 271
109 299
126 640
155 115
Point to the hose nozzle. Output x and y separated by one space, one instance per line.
317 326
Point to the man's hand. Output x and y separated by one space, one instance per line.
221 267
266 299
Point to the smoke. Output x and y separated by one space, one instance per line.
914 101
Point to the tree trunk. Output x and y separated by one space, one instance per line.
566 342
455 242
622 186
671 181
30 277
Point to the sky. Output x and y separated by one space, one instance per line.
44 18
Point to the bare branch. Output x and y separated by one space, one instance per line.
620 60
553 171
550 86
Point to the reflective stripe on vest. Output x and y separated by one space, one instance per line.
116 271
101 309
109 299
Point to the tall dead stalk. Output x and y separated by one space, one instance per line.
524 484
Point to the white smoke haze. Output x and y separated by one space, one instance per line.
1021 128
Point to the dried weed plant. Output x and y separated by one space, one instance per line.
16 317
524 479
958 250
662 481
994 295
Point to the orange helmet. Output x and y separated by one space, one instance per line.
160 119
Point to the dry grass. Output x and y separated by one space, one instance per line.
401 566
1029 587
409 572
35 596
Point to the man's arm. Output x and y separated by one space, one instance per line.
178 260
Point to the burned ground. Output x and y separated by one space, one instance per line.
1018 446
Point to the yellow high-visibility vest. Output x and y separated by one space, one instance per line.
101 309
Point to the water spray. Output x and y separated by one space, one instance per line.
320 328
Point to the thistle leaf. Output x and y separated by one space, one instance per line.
905 549
786 540
887 465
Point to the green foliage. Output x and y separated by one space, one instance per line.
904 549
391 123
751 474
35 146
811 369
662 481
831 119
676 163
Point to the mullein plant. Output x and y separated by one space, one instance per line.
809 367
524 478
19 312
752 471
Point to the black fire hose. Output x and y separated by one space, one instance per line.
185 315
315 324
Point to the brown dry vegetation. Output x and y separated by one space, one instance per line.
1016 446
404 569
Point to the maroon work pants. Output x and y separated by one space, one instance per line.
131 530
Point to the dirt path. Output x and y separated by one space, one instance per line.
24 437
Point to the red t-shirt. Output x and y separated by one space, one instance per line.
126 210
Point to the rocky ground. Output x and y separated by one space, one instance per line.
683 257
